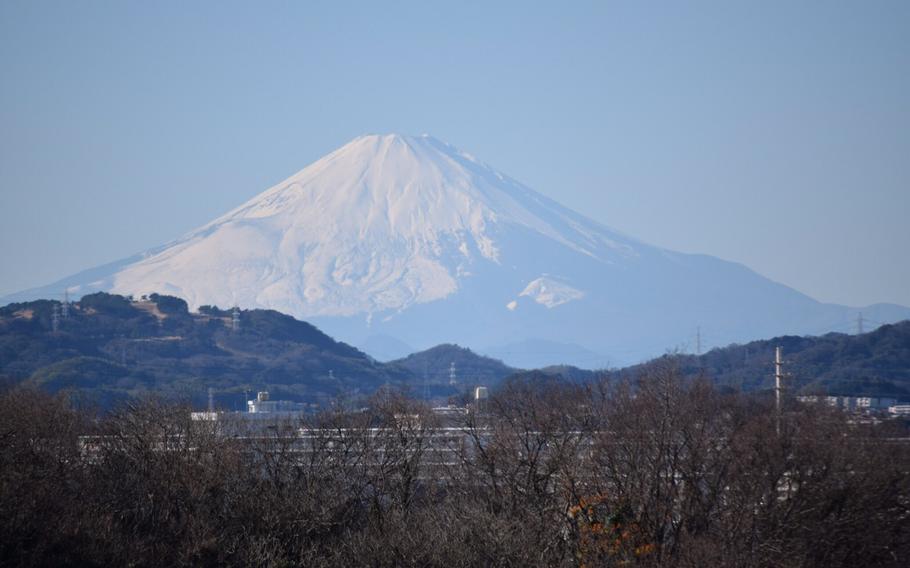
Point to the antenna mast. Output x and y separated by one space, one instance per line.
859 323
452 378
698 340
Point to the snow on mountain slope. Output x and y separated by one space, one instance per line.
410 239
381 224
550 292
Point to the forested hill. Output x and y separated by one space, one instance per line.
873 364
111 348
436 366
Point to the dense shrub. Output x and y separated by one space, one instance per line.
110 304
170 304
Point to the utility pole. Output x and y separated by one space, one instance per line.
778 377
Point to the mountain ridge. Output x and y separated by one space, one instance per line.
116 348
412 239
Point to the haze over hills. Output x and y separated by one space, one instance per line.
411 240
110 349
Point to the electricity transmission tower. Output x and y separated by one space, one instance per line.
779 376
235 319
55 319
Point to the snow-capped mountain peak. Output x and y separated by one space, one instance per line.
411 238
308 245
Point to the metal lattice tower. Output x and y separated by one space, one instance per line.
65 308
55 318
235 319
452 377
779 376
859 323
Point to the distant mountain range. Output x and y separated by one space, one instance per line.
395 241
110 348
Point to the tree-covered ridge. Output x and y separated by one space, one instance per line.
111 348
870 364
435 364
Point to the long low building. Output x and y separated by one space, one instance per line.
855 403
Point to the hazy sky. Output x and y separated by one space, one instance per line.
776 134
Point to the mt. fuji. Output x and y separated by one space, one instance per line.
412 239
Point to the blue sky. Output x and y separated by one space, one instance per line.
776 134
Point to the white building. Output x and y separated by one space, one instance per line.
262 408
262 405
859 403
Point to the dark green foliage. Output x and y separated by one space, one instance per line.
109 304
571 373
156 345
213 311
79 373
170 305
109 348
434 363
872 364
